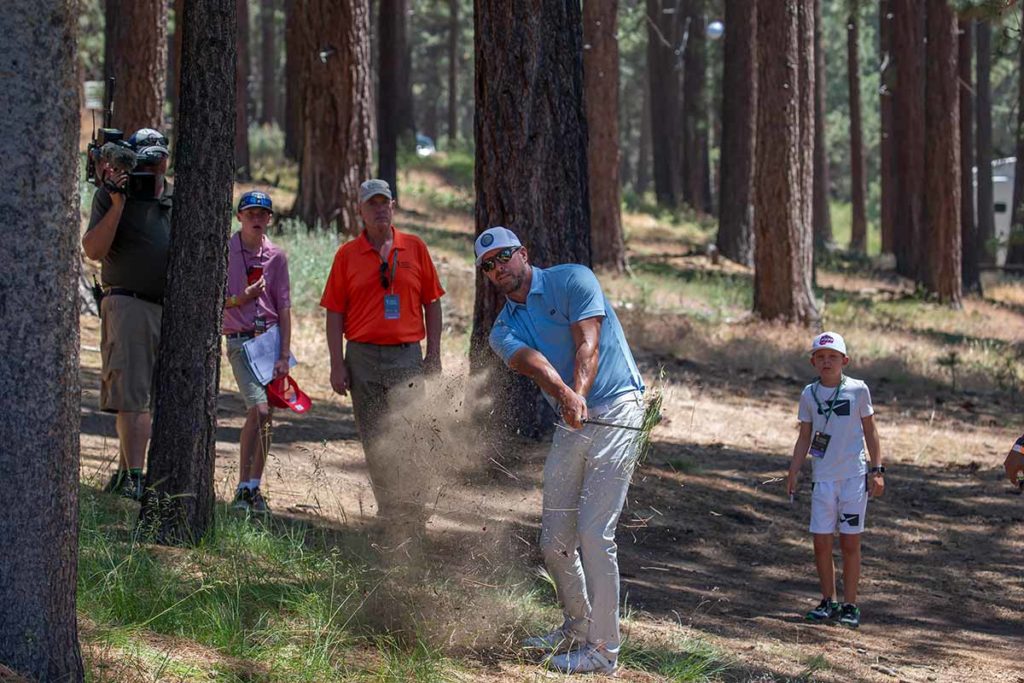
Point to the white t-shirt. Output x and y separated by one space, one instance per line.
844 457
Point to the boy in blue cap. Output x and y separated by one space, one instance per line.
836 420
258 297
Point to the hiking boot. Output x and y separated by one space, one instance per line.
850 615
116 480
242 501
257 502
826 609
559 640
588 660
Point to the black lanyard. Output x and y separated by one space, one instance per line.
827 412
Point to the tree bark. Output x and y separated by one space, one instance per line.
695 111
338 129
394 90
268 63
601 89
968 225
243 171
453 72
739 132
531 164
293 89
664 38
822 211
942 268
908 134
138 53
1015 250
178 505
886 144
784 162
39 270
985 198
179 12
643 157
858 188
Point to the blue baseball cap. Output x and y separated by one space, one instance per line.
255 198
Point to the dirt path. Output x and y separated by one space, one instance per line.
709 546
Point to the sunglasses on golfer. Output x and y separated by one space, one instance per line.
503 256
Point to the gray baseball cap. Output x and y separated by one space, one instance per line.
372 188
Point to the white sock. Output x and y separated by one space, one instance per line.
254 483
242 485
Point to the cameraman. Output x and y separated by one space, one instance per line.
130 233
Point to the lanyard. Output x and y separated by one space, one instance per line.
394 266
831 402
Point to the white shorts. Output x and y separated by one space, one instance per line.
839 506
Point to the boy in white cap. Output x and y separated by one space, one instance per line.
836 420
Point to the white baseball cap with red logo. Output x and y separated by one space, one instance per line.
829 340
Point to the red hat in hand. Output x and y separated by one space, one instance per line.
283 392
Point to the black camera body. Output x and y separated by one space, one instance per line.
101 138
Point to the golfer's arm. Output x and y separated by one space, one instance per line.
335 333
871 439
587 336
533 364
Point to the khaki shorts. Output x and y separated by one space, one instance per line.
129 339
253 393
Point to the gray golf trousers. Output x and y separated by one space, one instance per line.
586 477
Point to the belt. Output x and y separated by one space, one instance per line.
240 335
399 345
121 291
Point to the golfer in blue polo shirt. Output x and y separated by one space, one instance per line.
558 329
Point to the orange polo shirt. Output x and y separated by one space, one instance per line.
354 289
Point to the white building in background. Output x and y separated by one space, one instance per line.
1003 171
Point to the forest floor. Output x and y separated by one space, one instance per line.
714 558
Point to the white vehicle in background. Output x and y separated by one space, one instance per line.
1003 171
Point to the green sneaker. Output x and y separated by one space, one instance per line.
850 615
827 609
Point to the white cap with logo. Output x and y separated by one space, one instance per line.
497 237
829 340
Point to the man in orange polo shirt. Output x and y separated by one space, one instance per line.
381 290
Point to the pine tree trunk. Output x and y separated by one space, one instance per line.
908 134
293 89
784 162
394 90
1015 250
178 506
942 274
822 211
138 53
886 145
243 170
39 271
601 90
643 156
338 129
453 72
664 37
858 190
531 164
695 110
739 132
179 12
968 225
268 63
985 197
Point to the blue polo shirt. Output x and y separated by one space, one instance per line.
560 296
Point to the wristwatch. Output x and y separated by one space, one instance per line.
880 470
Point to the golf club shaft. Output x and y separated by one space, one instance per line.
602 423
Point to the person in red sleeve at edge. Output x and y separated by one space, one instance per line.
382 297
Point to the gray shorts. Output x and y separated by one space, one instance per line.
129 340
253 393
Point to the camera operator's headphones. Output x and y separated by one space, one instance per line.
150 146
